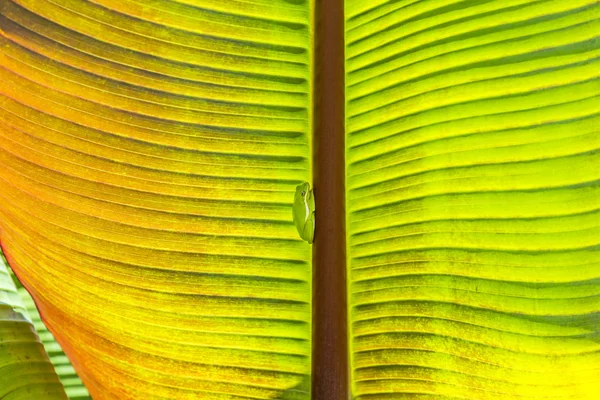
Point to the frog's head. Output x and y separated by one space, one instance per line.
301 192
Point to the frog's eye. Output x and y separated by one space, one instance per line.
303 193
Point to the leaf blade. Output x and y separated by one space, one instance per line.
150 168
472 250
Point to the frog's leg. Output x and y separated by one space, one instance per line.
309 227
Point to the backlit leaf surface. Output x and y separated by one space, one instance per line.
149 152
473 130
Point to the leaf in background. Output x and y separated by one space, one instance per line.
25 370
67 375
473 198
150 152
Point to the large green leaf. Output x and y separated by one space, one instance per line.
473 198
150 152
25 370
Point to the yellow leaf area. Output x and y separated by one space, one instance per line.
473 130
150 151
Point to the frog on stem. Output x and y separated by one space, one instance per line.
303 211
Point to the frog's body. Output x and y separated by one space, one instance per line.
303 212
